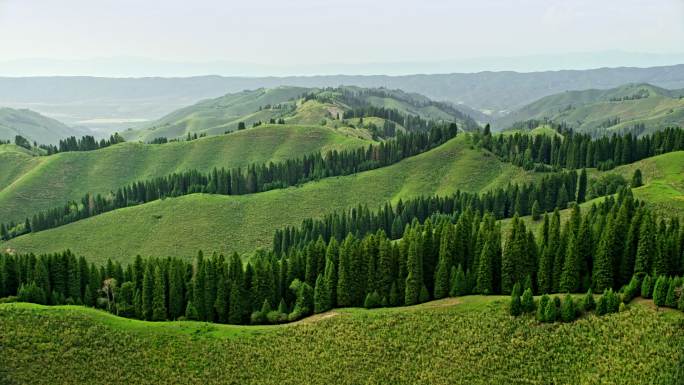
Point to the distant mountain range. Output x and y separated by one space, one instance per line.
638 108
112 104
33 126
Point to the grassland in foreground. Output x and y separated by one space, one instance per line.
468 340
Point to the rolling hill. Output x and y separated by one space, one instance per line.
29 184
216 116
33 126
180 226
78 99
644 106
468 340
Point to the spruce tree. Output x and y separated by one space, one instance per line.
603 265
646 247
671 298
159 296
536 211
148 291
414 280
588 302
515 306
320 293
568 311
551 312
646 287
582 186
636 179
660 291
527 301
541 308
570 277
235 303
344 278
442 278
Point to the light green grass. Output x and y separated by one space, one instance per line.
181 226
469 340
28 184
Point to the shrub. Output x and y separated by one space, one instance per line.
527 301
372 300
588 303
671 298
568 312
551 311
646 287
541 309
516 306
602 305
660 291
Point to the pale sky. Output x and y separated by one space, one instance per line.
309 36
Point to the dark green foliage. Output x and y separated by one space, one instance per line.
515 306
148 292
31 293
660 290
568 311
636 179
442 278
372 300
588 303
527 301
321 295
671 298
414 280
551 312
159 296
536 211
541 307
190 311
647 287
582 186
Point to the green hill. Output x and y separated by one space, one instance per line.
216 116
180 226
466 340
33 126
644 106
29 184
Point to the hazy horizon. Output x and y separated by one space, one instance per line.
270 38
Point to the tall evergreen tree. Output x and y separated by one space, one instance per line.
159 296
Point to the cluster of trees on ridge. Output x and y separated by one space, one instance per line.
254 178
446 255
573 150
85 143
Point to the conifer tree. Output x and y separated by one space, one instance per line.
588 302
636 179
42 279
646 287
147 291
235 304
582 186
603 265
198 287
222 296
568 312
321 303
551 312
159 296
536 211
414 280
646 247
527 301
671 298
515 306
570 277
344 279
442 278
541 308
660 291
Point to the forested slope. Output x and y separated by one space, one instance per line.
29 184
181 226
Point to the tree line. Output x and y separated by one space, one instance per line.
467 252
553 190
574 150
251 179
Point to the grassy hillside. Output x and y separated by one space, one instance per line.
33 126
180 226
216 116
468 340
663 188
591 110
29 184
